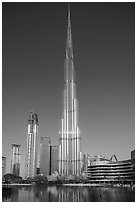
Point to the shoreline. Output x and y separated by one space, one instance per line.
98 185
16 184
73 184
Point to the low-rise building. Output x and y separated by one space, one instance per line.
104 170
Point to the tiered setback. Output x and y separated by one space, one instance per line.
69 150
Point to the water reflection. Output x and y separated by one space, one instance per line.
73 194
42 193
10 195
111 194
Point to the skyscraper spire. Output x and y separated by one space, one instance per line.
69 48
69 152
68 11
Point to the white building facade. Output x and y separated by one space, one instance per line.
69 148
31 159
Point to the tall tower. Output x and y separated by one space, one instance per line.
54 159
15 161
31 163
45 148
69 149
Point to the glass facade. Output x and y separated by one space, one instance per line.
54 159
45 155
31 158
69 152
15 161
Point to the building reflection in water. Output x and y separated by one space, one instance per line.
43 193
82 194
6 197
27 195
69 194
11 195
61 194
111 194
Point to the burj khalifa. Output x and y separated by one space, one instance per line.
69 148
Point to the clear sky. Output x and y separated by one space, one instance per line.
34 39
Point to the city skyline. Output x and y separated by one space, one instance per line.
34 36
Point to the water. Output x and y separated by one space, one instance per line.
41 193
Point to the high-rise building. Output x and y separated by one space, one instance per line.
45 154
86 162
15 161
31 159
3 165
69 148
54 159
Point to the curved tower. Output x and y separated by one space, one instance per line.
69 149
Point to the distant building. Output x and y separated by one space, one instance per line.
31 158
3 165
85 162
54 159
133 154
133 160
105 170
81 161
15 161
45 155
